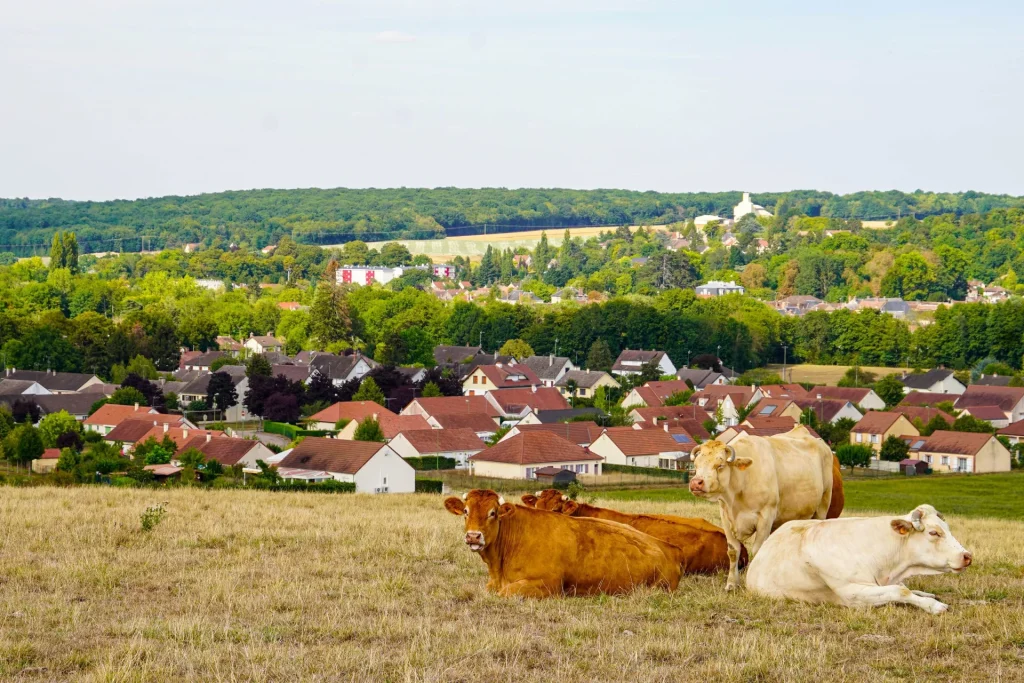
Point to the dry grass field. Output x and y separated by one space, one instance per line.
241 585
827 374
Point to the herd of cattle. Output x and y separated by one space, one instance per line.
779 498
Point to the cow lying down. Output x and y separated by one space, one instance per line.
858 562
703 543
534 553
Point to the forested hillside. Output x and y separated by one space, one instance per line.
259 217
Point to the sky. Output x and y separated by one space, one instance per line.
105 99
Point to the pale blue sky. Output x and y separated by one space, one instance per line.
122 99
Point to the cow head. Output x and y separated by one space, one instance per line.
551 500
929 543
483 511
713 465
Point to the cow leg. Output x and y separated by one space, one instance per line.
734 548
861 595
525 588
824 504
922 594
764 528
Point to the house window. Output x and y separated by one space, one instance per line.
928 459
945 460
385 481
874 438
529 472
476 380
961 464
860 437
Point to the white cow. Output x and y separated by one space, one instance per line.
858 561
761 483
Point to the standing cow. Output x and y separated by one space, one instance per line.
703 543
534 553
762 483
858 562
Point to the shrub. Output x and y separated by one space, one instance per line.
854 455
152 516
429 485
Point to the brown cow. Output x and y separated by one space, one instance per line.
703 543
835 508
534 553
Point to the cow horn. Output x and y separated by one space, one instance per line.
538 493
464 497
732 453
565 497
916 517
501 501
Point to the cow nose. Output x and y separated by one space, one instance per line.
474 537
696 484
967 559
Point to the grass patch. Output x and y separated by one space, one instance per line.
260 585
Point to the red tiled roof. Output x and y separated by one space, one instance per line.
643 441
922 413
986 412
446 405
782 422
225 450
981 395
392 424
783 390
544 398
685 425
825 409
1014 429
535 448
693 412
349 410
649 396
178 435
478 422
959 443
876 422
502 376
444 440
50 454
331 455
852 394
665 388
579 433
111 414
926 398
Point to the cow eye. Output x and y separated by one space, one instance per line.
936 534
492 513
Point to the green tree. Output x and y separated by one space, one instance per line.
70 252
126 396
854 455
56 424
600 356
369 391
858 377
430 390
969 423
516 348
258 366
192 457
23 445
141 366
220 392
57 259
936 423
369 430
911 277
330 321
890 390
893 449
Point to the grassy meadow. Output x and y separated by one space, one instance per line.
245 585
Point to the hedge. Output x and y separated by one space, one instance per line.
282 428
684 475
429 485
432 462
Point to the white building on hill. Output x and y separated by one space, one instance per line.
746 206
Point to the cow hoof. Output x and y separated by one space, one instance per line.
937 607
729 587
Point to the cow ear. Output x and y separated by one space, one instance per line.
506 509
454 506
742 463
902 526
570 507
529 500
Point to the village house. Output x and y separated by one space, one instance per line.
431 406
936 381
548 369
372 467
676 426
196 390
1014 432
927 398
797 304
654 394
492 377
391 425
580 433
631 362
522 455
1009 400
341 369
585 382
514 404
54 382
12 388
542 416
830 409
717 287
877 426
922 414
727 399
700 378
326 419
75 405
111 415
201 362
226 450
971 452
777 407
642 447
782 422
457 444
662 413
991 414
263 343
47 462
482 424
863 397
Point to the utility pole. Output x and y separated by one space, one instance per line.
481 340
784 347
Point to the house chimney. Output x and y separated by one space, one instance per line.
136 407
666 426
534 388
551 359
208 437
166 427
184 433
